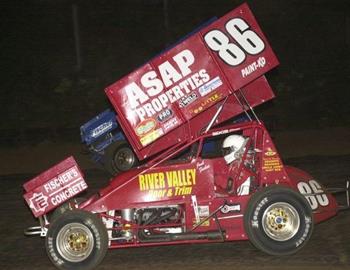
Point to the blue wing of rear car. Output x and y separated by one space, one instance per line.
101 131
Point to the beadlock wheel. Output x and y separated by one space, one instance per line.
281 221
75 242
278 220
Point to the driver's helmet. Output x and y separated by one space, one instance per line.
233 147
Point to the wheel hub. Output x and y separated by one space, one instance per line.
277 219
78 241
75 242
124 159
280 221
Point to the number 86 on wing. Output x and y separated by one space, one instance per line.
234 54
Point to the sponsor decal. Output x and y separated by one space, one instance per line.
313 193
210 86
306 231
170 124
251 68
255 221
270 152
152 136
203 213
52 252
55 191
168 183
185 101
101 129
271 162
201 166
212 99
145 127
38 202
65 186
164 115
216 133
171 82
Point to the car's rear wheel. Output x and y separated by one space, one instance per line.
278 220
76 240
67 206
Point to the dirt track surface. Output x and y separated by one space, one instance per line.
329 247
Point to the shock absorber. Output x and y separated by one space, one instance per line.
127 215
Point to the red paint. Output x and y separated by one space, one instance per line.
129 190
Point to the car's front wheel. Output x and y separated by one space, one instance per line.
278 220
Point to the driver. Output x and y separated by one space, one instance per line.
233 148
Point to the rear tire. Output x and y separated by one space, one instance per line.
278 220
67 206
76 240
119 157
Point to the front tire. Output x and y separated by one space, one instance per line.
278 220
76 240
